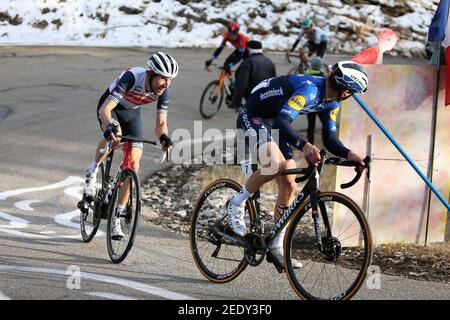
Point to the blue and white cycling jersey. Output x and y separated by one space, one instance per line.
279 101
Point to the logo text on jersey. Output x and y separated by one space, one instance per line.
271 93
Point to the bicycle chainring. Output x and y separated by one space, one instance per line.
255 250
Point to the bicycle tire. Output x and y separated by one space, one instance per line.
211 88
114 254
241 263
96 214
351 253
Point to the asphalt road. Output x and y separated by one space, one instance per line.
48 133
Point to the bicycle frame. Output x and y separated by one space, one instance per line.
125 164
311 188
222 83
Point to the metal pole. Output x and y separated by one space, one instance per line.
366 201
366 195
395 143
433 140
447 225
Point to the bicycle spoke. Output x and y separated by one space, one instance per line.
329 273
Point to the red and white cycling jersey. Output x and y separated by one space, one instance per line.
128 90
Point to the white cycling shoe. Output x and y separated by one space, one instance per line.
89 186
236 219
278 254
117 233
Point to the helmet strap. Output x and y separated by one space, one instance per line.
150 75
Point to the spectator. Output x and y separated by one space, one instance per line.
316 69
255 68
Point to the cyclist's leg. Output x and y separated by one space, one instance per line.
286 184
321 49
89 186
132 126
269 154
99 157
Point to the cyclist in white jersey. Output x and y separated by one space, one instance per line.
317 39
119 113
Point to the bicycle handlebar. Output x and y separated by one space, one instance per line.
134 139
164 157
219 67
325 159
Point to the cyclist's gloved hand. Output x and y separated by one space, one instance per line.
353 156
227 68
208 62
110 132
165 141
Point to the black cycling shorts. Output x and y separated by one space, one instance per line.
261 129
129 119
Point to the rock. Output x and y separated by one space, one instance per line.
185 202
149 213
181 213
167 204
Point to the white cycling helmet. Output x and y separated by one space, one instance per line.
350 76
163 64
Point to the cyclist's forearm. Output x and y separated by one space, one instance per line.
217 52
288 132
161 125
333 144
105 112
295 44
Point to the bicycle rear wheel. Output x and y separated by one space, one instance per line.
119 249
90 216
337 271
217 257
211 100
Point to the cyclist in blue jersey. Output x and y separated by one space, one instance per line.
274 104
119 112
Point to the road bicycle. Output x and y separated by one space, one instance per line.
304 64
327 233
215 92
104 204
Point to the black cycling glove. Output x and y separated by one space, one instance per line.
110 128
165 141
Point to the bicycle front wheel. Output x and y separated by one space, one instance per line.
127 191
217 257
211 100
90 216
336 270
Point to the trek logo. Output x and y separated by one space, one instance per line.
271 93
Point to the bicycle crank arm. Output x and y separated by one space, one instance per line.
231 239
